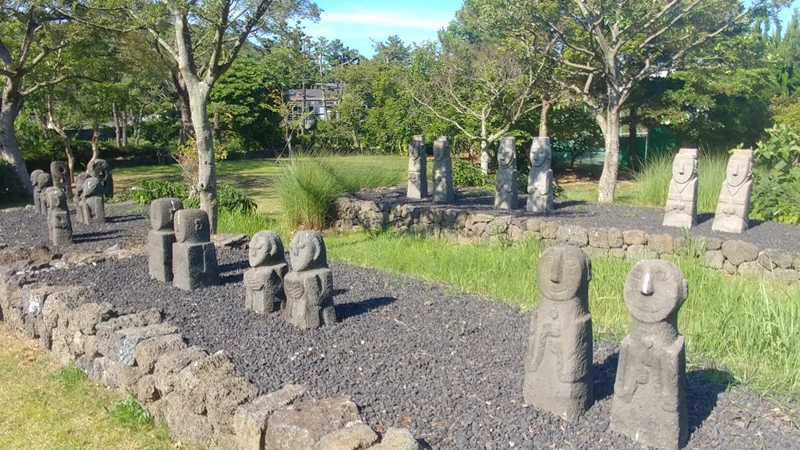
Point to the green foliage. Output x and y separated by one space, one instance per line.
776 190
229 198
235 200
466 174
652 181
70 377
148 190
129 413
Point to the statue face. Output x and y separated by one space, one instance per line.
739 170
539 154
92 187
43 180
35 176
561 272
506 155
654 290
307 250
57 199
441 150
192 226
683 168
265 246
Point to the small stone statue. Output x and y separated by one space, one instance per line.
78 198
540 178
263 284
194 258
92 202
649 404
442 171
309 285
417 168
58 217
36 194
99 168
733 208
558 367
681 209
507 197
161 237
43 180
59 170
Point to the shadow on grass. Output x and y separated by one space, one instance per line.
348 310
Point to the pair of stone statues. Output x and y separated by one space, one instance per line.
649 400
92 188
304 294
733 208
443 191
540 177
51 202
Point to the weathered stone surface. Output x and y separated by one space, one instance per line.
150 350
302 425
797 263
417 168
356 437
751 268
88 315
681 209
558 375
150 316
170 364
772 258
192 381
263 283
194 257
549 230
713 244
397 439
101 169
639 252
58 220
715 259
222 399
661 243
573 235
786 276
230 240
59 171
594 252
37 190
634 237
161 237
120 346
92 203
442 171
728 268
738 252
649 404
533 225
146 390
190 427
733 207
617 253
309 286
540 177
43 181
115 374
615 238
250 419
598 238
506 196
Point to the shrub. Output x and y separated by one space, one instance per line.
466 174
148 190
232 199
652 181
228 198
776 189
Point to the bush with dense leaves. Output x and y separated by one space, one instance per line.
466 174
776 190
228 197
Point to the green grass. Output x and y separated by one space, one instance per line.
652 183
586 191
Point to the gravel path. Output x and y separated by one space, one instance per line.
762 234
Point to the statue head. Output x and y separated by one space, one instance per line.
192 226
56 199
60 172
98 168
307 251
266 246
654 290
507 153
541 152
92 187
684 167
562 271
43 179
740 167
79 180
35 176
441 148
416 148
162 213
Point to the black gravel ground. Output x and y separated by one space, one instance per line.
762 234
445 365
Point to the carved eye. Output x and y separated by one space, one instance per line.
570 264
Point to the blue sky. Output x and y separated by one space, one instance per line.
355 22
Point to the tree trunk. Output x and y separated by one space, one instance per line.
70 156
137 127
95 141
217 130
204 142
114 114
10 106
543 118
485 156
633 147
183 106
124 129
608 180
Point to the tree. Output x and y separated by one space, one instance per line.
608 47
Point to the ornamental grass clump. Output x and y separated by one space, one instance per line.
652 181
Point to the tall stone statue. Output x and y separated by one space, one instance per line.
558 366
681 209
161 237
417 168
92 202
540 178
99 168
506 196
442 171
263 283
649 404
309 285
78 199
58 218
59 170
733 208
43 181
36 193
194 258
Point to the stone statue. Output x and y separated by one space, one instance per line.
506 196
442 171
161 237
558 367
417 168
309 285
649 404
43 180
681 209
78 199
58 217
733 208
194 258
540 178
263 284
36 193
59 170
92 202
99 168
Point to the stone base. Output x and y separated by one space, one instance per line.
194 266
159 254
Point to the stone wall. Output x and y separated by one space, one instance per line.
198 394
733 256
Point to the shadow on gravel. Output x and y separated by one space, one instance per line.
233 278
95 237
704 217
230 267
126 218
702 393
348 310
605 374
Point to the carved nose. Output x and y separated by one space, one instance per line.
647 284
556 270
